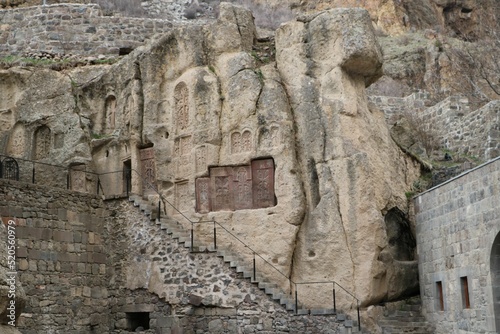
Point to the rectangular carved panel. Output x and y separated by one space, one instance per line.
242 185
148 170
221 188
237 188
263 183
203 195
77 178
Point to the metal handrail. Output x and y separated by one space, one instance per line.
145 182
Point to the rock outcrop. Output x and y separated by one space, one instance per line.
344 151
287 155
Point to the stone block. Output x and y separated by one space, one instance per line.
138 308
21 252
165 322
226 311
64 236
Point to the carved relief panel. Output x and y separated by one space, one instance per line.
237 188
242 185
263 183
241 142
182 152
221 188
270 136
203 195
201 158
77 178
148 169
6 119
181 99
42 142
17 141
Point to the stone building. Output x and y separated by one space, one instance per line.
458 240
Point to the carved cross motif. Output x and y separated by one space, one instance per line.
181 96
148 170
237 188
42 142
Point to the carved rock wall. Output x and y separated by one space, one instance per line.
193 105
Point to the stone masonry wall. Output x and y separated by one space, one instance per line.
88 266
61 259
475 133
456 225
190 292
72 29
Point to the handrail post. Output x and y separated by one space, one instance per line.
359 319
215 236
334 301
296 301
192 236
254 276
33 173
159 209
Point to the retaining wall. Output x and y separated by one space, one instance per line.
73 29
90 265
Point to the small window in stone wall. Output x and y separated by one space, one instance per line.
440 296
137 321
464 284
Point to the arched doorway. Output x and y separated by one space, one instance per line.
495 278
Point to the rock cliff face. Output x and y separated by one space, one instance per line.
287 155
343 150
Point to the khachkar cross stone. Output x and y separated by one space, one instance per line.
42 142
237 188
181 97
148 170
263 183
77 177
17 142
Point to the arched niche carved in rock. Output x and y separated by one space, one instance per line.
42 143
110 110
241 142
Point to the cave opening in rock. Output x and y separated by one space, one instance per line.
400 238
137 321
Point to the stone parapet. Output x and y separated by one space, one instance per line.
474 133
73 29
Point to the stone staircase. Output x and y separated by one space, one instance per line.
405 317
176 231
